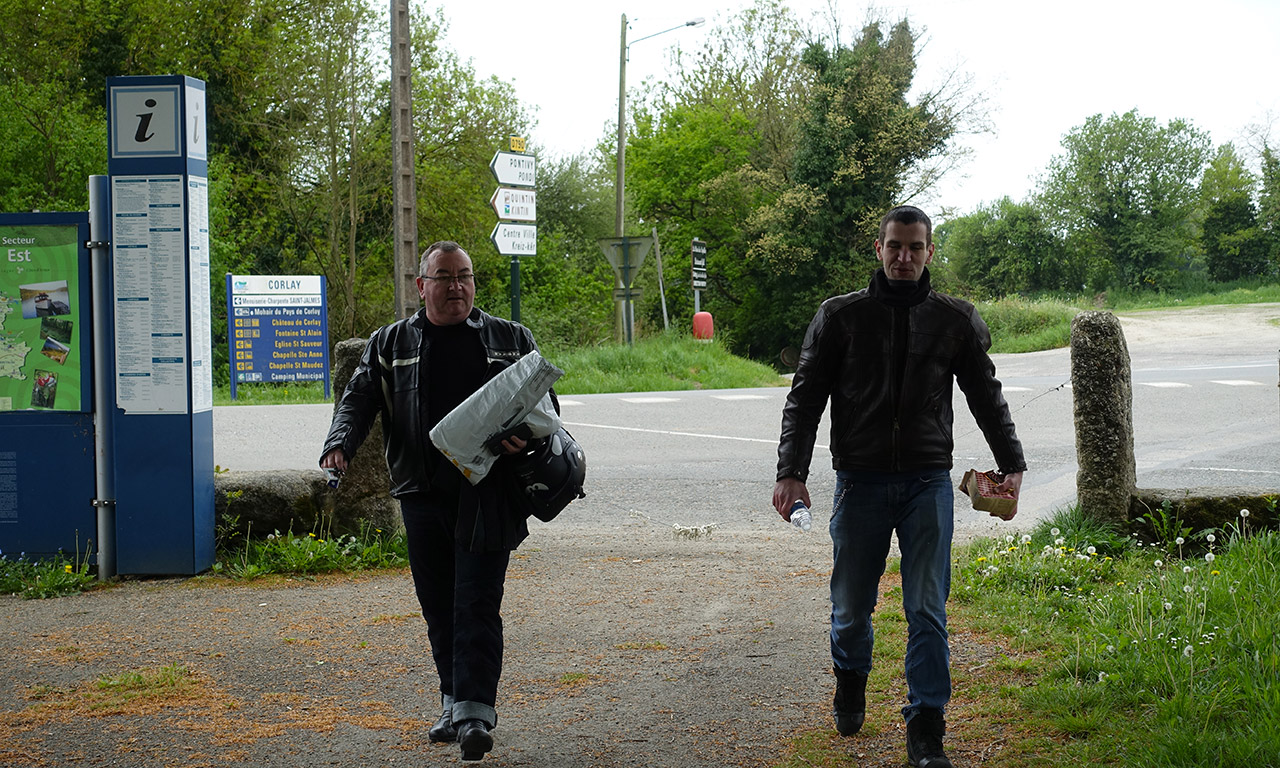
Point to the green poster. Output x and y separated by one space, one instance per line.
39 318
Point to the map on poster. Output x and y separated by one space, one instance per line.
39 309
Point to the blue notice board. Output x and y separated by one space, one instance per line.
277 329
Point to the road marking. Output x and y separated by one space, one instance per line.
740 397
569 402
681 434
1016 389
1164 384
1237 382
649 399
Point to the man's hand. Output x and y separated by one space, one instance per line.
334 459
1012 483
513 445
785 492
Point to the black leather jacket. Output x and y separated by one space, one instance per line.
885 359
390 379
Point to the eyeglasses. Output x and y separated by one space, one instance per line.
463 279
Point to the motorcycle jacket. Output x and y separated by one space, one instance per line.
391 379
885 357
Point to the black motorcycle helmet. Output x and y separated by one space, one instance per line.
550 472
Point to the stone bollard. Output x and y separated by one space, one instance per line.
1102 393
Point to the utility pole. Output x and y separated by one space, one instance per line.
404 195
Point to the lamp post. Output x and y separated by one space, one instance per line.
620 190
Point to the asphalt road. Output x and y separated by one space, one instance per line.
1206 413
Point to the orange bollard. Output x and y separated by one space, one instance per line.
703 327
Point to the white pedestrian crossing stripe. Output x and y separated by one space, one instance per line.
569 402
650 399
1238 382
739 397
1164 384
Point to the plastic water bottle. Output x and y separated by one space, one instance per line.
800 516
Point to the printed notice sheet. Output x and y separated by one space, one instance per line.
150 249
201 332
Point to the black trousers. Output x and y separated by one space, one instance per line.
461 597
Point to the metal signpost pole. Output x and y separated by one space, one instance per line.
103 374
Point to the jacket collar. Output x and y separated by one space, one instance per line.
904 295
477 319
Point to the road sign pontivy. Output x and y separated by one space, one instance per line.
515 170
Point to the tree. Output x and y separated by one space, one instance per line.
783 164
1125 189
1233 244
1006 248
1269 205
567 288
860 140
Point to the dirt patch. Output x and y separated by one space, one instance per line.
646 651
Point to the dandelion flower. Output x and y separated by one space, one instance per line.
1092 550
1209 558
1244 513
1215 573
1187 651
1186 569
1179 541
1054 531
982 559
1159 563
1168 606
1026 538
67 568
1187 589
1211 538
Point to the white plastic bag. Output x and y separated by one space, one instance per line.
520 393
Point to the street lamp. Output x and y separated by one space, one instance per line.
620 190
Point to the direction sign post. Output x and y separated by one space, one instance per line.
515 201
698 253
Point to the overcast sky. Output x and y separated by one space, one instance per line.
1045 66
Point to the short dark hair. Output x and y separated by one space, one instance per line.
908 214
443 246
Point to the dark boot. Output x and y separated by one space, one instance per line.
474 738
924 740
444 730
850 704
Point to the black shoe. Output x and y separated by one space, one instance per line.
850 704
474 738
444 729
924 740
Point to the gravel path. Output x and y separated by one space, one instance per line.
651 651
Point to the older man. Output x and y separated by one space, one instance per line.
413 372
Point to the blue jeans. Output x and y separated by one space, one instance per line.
461 597
869 508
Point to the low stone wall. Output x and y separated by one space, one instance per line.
1206 508
262 502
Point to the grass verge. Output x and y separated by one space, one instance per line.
1108 651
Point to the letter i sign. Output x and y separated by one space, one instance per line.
145 121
